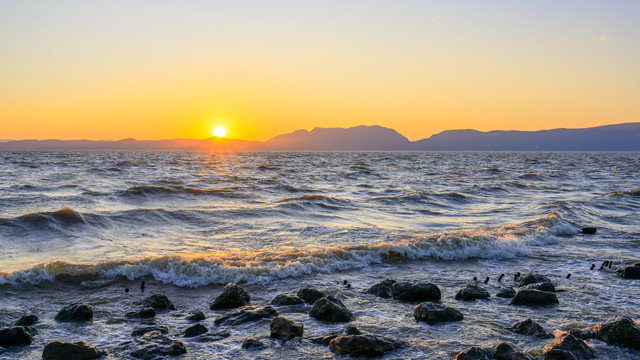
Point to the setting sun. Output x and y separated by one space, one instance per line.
219 131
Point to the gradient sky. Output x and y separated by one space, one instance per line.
166 69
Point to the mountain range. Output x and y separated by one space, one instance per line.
619 137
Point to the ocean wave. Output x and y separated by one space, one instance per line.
268 264
64 216
153 190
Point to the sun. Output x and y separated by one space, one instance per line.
219 131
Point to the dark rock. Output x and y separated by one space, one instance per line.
620 332
506 351
352 330
158 302
474 353
15 336
232 296
143 329
75 313
144 313
531 279
195 330
584 334
506 292
629 272
196 316
589 230
2 350
80 350
364 345
31 330
285 329
153 345
382 289
246 314
252 344
543 286
27 320
568 346
324 339
412 292
310 295
472 292
286 299
529 327
433 313
212 336
534 298
330 309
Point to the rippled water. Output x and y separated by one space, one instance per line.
83 226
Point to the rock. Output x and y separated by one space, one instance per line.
80 350
433 313
287 299
589 230
144 313
584 334
568 346
531 279
534 298
364 345
542 286
310 295
15 336
158 302
324 339
474 353
76 312
620 332
212 336
246 314
27 320
143 329
529 327
413 292
472 292
330 309
2 350
196 316
154 344
506 292
506 351
195 330
382 289
232 296
352 330
629 272
252 344
285 329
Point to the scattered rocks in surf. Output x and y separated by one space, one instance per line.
589 230
76 312
474 353
196 316
415 292
253 344
154 344
143 329
27 320
382 289
472 292
364 345
80 350
434 313
212 336
310 295
286 300
15 336
247 314
158 302
542 286
529 327
622 332
144 313
531 279
534 298
330 309
506 351
629 272
232 296
195 330
506 292
568 346
285 329
326 339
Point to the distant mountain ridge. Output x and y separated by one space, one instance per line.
619 137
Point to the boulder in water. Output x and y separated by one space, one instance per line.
414 292
629 272
506 351
252 344
80 350
569 347
285 329
158 302
474 353
232 296
433 313
143 313
287 299
542 286
143 329
76 312
472 292
506 292
529 327
364 345
620 332
195 330
534 298
247 314
27 320
154 345
330 309
310 295
15 336
382 289
196 316
531 279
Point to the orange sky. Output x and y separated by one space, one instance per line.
154 70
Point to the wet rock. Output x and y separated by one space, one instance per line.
568 347
143 329
529 327
330 309
531 279
534 298
154 344
246 314
352 330
158 302
212 336
196 316
15 336
584 334
310 295
413 292
542 286
76 312
620 332
433 313
382 289
144 313
589 230
474 353
195 330
232 296
472 292
324 339
629 272
287 299
285 329
252 344
27 320
506 351
506 292
364 345
80 350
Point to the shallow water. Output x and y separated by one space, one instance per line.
83 226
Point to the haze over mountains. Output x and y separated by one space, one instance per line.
619 137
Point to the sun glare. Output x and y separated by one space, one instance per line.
219 131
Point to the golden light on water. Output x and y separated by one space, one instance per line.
219 131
